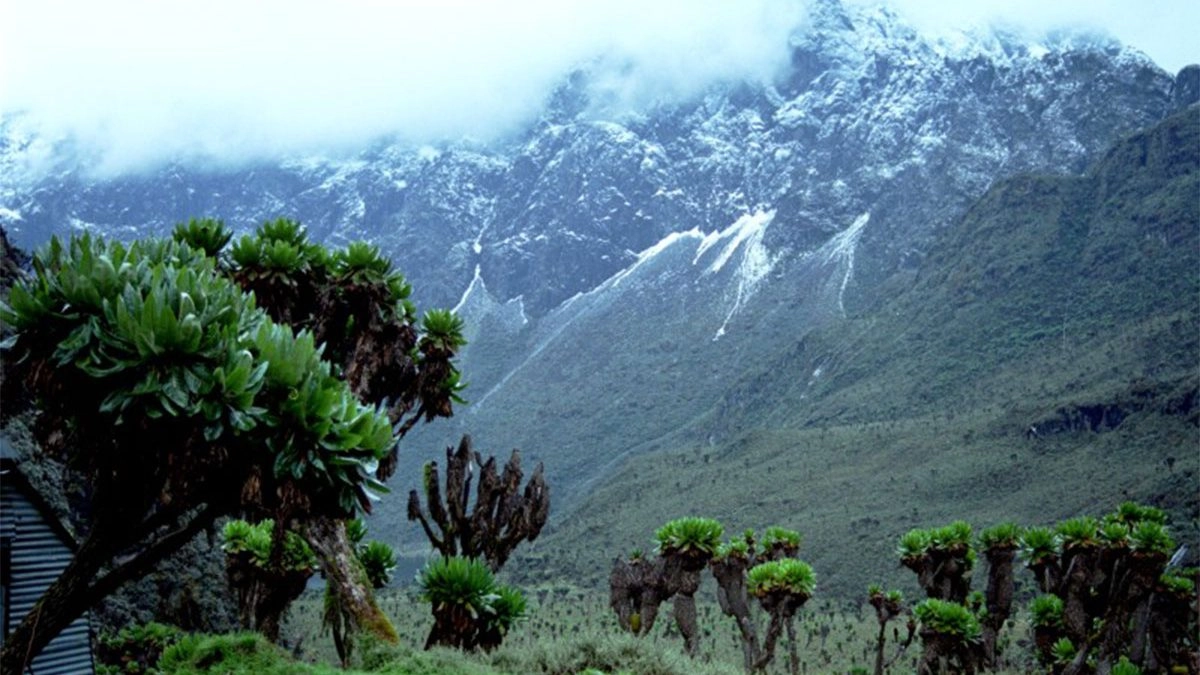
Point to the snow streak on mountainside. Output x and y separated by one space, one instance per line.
756 261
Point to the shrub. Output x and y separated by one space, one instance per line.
735 548
470 610
135 649
459 582
914 543
948 618
1081 531
1004 535
378 561
1047 611
1039 545
233 653
788 575
205 234
788 539
1063 651
690 535
953 536
1151 537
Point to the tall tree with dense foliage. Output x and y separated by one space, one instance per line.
180 401
358 308
1112 593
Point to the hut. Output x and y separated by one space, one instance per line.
34 550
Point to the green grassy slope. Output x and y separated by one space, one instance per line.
1066 303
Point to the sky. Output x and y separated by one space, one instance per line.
138 82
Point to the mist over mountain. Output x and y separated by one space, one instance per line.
708 275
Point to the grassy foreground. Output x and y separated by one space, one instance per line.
569 631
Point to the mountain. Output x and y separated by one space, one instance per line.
765 280
1042 365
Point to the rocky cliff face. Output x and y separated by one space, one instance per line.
677 248
870 117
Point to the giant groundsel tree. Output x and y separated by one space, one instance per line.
161 380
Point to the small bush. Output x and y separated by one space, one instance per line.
135 649
954 535
379 562
205 234
464 582
604 653
1047 611
1038 545
914 543
1151 537
233 654
1063 651
687 535
773 536
1081 531
948 618
1004 535
789 575
1132 513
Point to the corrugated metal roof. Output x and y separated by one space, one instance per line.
37 555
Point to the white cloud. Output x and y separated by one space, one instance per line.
138 81
1165 30
142 80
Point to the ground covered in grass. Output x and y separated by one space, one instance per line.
572 631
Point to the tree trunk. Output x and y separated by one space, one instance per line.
342 570
63 602
730 573
452 626
999 600
685 618
1128 599
649 611
937 650
781 608
73 593
879 644
1077 620
793 657
623 592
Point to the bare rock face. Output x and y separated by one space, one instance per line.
12 260
1186 89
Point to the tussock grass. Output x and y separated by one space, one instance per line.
572 631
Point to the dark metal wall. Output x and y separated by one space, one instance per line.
36 554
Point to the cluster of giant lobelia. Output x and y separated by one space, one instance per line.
161 379
1113 598
769 572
